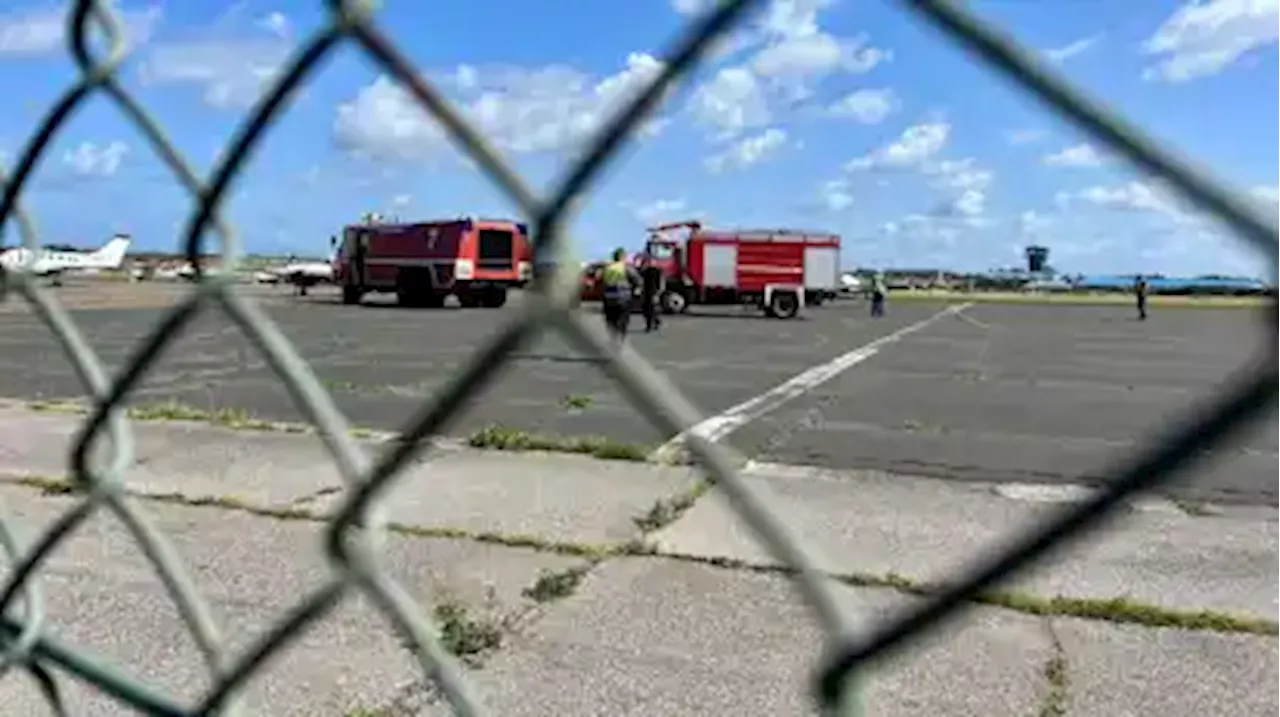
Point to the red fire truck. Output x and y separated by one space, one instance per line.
777 270
477 260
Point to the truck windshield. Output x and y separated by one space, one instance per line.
661 250
495 248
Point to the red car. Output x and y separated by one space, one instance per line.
592 287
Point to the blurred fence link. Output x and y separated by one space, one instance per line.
354 534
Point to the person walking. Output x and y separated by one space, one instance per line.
1140 296
651 289
877 295
619 282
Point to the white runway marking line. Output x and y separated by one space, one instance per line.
720 425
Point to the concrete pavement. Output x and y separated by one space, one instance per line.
696 623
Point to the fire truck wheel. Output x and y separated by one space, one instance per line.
783 305
468 300
673 302
350 295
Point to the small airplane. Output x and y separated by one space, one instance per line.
1048 284
52 264
302 274
850 283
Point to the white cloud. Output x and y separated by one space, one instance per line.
734 100
41 30
865 106
816 54
835 194
691 7
960 174
1072 49
1143 196
1135 195
917 144
400 201
658 210
792 18
1204 37
1266 194
230 70
787 54
521 110
1080 155
277 23
970 203
1032 223
1019 137
941 229
1266 198
748 151
92 160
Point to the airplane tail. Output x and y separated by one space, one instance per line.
112 253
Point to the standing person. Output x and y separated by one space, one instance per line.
1140 295
619 287
651 289
877 295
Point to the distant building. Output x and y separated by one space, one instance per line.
1037 258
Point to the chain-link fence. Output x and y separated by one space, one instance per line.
353 536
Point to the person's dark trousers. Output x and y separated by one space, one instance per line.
652 319
1142 308
617 317
877 304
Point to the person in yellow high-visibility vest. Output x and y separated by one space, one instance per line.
619 280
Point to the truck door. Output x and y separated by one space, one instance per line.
359 248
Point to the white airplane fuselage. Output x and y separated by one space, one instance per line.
47 262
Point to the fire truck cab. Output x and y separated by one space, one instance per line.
476 260
776 270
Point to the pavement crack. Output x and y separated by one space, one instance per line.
1057 679
668 510
1117 610
308 498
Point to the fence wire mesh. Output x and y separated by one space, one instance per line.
354 535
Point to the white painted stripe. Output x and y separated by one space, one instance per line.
717 427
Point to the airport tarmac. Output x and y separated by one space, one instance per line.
1023 393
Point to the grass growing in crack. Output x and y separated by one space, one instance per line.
339 385
1055 699
48 485
57 407
237 418
171 410
463 635
1194 507
666 511
1121 610
575 401
1127 610
556 584
503 438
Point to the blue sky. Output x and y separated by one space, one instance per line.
841 115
